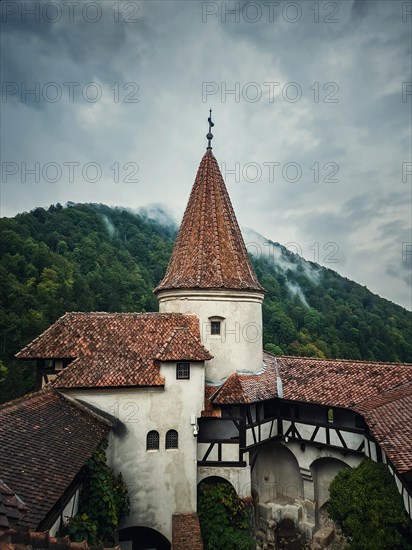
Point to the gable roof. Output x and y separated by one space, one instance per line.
381 392
117 349
209 251
46 439
182 339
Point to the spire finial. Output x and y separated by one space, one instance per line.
209 136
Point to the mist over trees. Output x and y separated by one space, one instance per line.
94 258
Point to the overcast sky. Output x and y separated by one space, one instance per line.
108 102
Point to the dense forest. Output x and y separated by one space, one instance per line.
96 258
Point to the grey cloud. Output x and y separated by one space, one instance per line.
170 52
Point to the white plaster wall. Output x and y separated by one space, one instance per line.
238 477
310 453
323 472
162 482
239 346
276 475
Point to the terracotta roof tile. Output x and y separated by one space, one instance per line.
45 441
34 540
381 392
335 382
209 251
186 532
12 508
389 417
117 349
210 409
183 339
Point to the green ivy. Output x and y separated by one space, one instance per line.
103 502
80 528
223 518
367 505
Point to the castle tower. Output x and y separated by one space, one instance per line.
210 274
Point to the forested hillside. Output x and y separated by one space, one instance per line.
96 258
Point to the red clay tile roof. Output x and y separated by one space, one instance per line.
186 533
45 441
12 508
334 382
211 410
33 540
381 392
117 349
209 251
389 417
183 339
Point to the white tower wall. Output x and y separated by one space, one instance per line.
239 345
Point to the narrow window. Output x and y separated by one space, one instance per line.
172 439
152 441
182 371
214 327
330 416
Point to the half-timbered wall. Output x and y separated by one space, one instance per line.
319 438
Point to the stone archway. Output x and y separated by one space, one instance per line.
214 480
323 471
276 475
142 538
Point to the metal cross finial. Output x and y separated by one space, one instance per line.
209 136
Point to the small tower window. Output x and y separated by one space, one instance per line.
215 328
183 371
172 439
152 441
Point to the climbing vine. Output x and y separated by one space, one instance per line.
223 518
103 502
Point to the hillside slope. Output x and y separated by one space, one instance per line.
96 258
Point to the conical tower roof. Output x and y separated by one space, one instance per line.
209 251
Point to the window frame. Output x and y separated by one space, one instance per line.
174 434
152 448
330 415
216 320
180 364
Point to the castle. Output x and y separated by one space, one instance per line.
188 394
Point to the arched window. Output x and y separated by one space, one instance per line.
331 416
152 441
172 439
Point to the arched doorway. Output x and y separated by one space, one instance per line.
142 538
214 480
323 471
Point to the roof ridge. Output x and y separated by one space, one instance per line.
60 319
233 377
385 397
121 314
168 341
72 401
339 360
23 398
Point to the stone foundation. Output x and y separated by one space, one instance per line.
288 525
